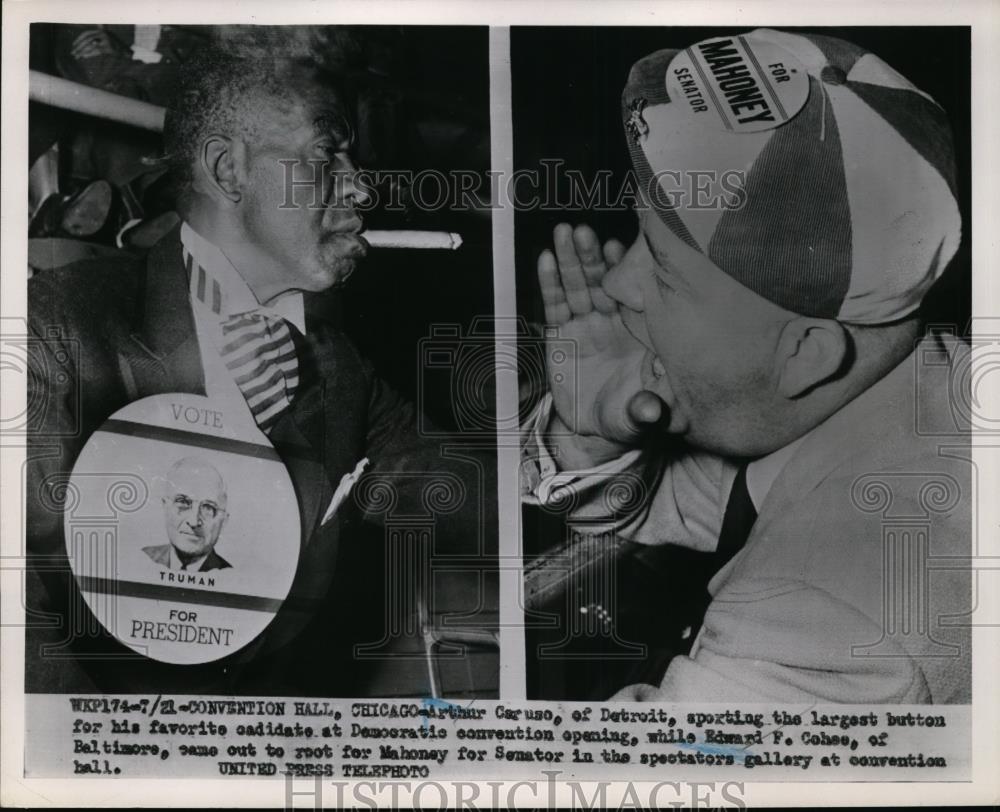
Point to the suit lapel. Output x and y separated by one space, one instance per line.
295 437
323 415
213 561
300 436
163 352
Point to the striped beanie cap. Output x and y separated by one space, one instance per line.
803 166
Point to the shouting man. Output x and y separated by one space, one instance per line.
754 368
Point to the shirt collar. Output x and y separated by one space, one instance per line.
762 473
234 294
177 564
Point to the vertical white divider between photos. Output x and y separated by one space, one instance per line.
512 673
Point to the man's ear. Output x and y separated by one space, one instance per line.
809 352
220 164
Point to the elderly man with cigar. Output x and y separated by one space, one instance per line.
226 306
757 372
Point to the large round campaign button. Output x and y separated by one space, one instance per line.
182 530
739 84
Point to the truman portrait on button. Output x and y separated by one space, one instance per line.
194 511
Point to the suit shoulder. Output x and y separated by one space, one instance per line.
158 553
214 561
90 286
343 351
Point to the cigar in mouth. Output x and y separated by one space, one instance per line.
442 240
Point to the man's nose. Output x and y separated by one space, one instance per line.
623 282
349 185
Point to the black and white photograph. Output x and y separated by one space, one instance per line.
240 240
751 284
478 404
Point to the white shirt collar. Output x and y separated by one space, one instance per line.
237 297
762 473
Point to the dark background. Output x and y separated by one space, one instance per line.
422 102
566 92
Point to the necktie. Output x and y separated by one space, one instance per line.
737 521
259 351
257 348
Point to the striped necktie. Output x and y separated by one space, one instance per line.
257 348
259 351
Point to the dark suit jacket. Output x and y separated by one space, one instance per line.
160 553
109 332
